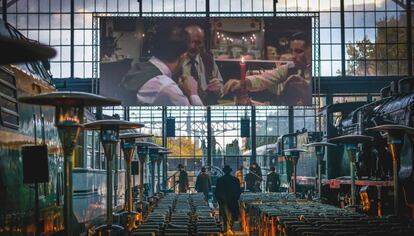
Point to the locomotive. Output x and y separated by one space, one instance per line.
374 163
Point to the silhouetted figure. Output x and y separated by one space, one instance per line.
250 180
227 194
203 183
272 181
257 171
182 180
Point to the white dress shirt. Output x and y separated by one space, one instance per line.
163 91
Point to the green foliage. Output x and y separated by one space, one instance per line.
183 147
386 56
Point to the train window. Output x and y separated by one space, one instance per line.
289 142
96 150
79 155
9 116
89 149
376 98
103 163
100 159
121 163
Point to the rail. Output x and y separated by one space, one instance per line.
172 181
262 178
215 168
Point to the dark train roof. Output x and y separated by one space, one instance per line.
35 68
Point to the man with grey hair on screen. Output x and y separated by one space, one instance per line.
201 66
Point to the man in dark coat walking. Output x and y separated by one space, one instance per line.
272 181
250 179
203 183
257 171
227 195
182 180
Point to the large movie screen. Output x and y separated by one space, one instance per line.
201 62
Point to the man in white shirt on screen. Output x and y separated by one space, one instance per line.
169 47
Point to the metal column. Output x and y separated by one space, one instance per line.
208 8
164 144
291 122
342 15
72 39
164 126
4 10
140 8
115 169
409 38
253 132
209 136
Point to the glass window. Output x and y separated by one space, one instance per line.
375 37
363 21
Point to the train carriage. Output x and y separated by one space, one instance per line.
22 124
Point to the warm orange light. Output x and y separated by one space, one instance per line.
68 119
31 229
366 206
133 222
392 151
274 226
244 221
379 212
242 60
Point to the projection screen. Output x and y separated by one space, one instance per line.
206 61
